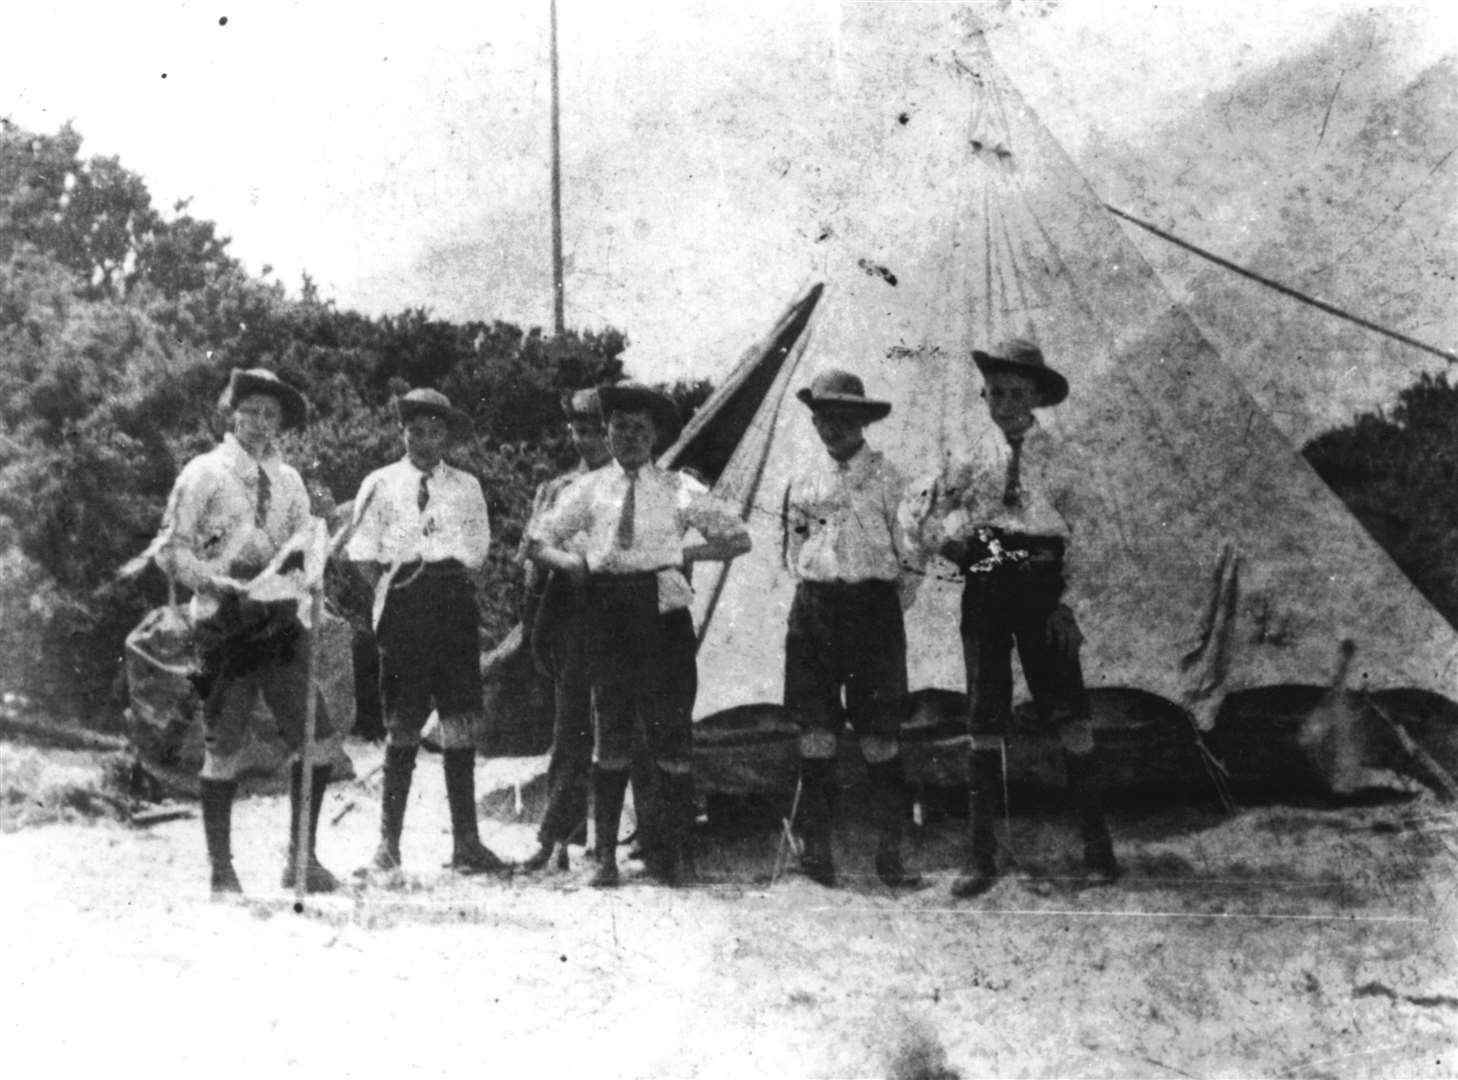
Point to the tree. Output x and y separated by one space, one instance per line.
1397 475
117 329
92 216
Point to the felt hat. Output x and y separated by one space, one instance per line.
636 397
1016 354
837 389
246 382
423 401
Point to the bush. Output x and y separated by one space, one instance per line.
1397 475
117 328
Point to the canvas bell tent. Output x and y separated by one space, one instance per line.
1208 558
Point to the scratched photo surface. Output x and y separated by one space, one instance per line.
1230 230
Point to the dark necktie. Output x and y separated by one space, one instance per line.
423 497
625 522
260 509
1012 491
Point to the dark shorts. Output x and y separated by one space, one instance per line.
430 649
849 637
642 669
252 651
283 685
1010 608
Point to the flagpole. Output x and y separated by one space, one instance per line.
558 285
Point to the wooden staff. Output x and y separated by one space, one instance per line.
302 848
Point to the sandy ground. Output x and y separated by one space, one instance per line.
1280 942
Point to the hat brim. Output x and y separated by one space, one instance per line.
641 399
244 384
869 408
458 424
1052 387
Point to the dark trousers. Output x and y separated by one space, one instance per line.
564 650
430 649
846 636
1011 607
1008 607
643 672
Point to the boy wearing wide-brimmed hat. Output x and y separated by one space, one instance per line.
555 620
1005 517
625 533
421 534
230 512
845 644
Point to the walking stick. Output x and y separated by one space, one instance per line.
302 850
315 582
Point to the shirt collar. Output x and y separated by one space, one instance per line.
995 436
434 473
618 470
240 458
854 465
1031 432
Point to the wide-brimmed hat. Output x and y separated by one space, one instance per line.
636 397
582 405
841 390
245 382
1016 354
426 402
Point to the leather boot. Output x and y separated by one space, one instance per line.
316 878
608 788
1086 788
217 815
538 859
817 784
888 812
686 812
566 812
984 784
669 859
399 768
468 854
648 843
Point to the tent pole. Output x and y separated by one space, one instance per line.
787 835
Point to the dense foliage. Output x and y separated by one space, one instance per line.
118 325
1398 474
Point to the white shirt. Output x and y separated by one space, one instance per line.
969 495
545 497
392 529
667 505
211 515
840 524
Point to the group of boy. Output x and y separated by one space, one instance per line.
609 551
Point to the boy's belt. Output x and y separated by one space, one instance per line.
1038 548
435 568
636 579
993 551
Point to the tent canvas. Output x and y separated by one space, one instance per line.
1211 559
